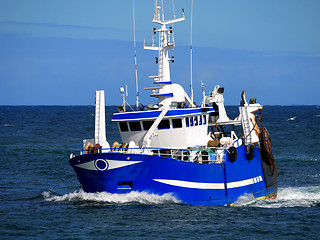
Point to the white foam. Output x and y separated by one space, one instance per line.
104 197
287 197
291 119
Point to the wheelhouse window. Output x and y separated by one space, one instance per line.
164 124
176 123
191 121
123 126
147 124
135 126
187 122
200 120
196 120
204 119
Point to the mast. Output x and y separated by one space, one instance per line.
191 88
166 42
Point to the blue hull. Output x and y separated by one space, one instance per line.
189 182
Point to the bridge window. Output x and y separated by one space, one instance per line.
164 124
176 123
204 119
196 120
123 126
187 122
191 121
135 126
147 124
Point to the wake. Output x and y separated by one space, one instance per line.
287 197
110 198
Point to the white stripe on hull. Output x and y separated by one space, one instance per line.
200 185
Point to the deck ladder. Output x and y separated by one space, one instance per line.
246 125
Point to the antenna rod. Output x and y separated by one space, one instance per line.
135 55
162 10
191 53
173 14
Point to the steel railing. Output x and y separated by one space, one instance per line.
201 155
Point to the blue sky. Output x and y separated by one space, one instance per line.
60 52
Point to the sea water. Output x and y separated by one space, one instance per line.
41 197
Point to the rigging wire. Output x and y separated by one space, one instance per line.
162 10
174 17
191 53
135 55
173 13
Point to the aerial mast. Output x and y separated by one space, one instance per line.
191 53
135 55
166 42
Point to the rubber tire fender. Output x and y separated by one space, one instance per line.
249 152
232 154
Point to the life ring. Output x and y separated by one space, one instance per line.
266 149
232 154
89 148
249 152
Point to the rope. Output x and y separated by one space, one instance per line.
251 130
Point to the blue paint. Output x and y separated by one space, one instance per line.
142 176
140 115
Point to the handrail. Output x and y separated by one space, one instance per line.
200 155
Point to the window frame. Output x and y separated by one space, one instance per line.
133 123
121 128
164 124
176 120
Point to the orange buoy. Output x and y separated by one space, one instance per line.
89 148
118 147
124 145
97 148
114 145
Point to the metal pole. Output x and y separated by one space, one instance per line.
135 55
191 54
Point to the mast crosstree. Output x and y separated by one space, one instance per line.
166 42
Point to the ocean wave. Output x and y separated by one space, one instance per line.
110 198
287 197
292 118
8 125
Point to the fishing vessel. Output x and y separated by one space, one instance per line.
194 152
